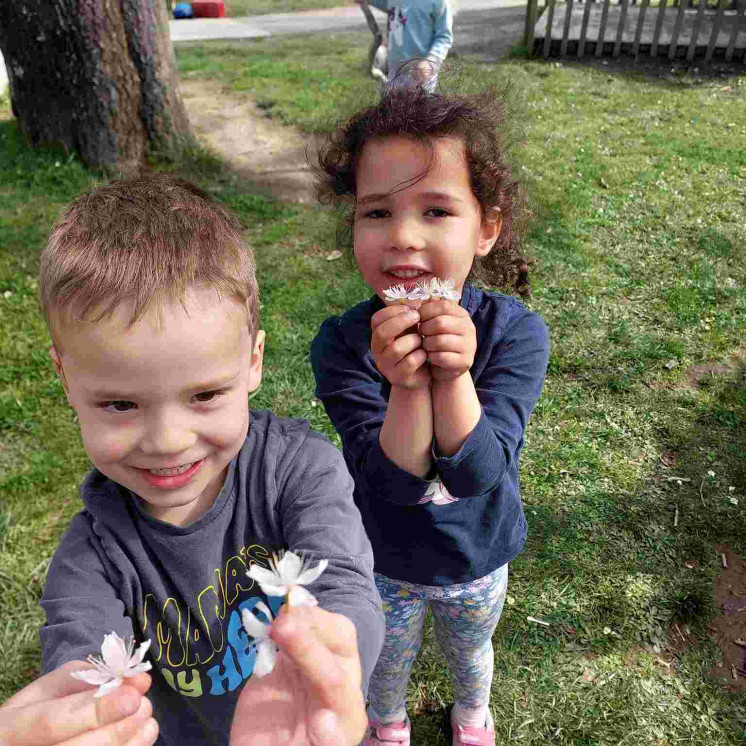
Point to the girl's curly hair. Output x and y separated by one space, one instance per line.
479 120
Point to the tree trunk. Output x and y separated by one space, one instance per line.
97 76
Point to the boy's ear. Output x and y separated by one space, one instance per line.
257 358
57 360
492 222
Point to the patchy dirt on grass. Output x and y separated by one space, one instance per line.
728 629
271 155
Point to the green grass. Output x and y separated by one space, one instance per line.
639 189
238 8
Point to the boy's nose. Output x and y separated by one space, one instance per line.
168 435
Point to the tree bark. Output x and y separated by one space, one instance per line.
97 76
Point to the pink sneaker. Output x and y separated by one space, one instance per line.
390 734
465 736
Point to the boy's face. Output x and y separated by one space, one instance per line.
410 228
163 410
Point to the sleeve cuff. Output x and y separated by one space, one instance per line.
477 467
390 482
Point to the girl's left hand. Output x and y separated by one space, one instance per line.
449 338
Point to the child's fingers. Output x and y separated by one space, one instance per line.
390 329
434 308
58 721
325 729
444 343
400 348
389 312
335 631
447 360
445 324
409 365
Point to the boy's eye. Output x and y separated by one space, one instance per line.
207 396
117 406
437 212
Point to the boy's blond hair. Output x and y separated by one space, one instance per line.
143 241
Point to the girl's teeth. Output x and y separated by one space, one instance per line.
171 472
406 273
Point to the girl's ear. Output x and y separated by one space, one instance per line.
492 222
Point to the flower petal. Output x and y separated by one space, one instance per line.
289 568
114 651
311 573
139 654
299 596
138 669
261 574
253 626
92 676
266 655
109 686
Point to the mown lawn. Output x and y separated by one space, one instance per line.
639 236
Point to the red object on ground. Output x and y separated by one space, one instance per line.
208 8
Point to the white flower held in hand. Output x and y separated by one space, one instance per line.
286 576
266 649
433 290
118 661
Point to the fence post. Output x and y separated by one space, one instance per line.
695 31
658 27
734 30
548 32
620 30
584 28
640 24
531 14
602 29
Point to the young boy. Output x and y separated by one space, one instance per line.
150 296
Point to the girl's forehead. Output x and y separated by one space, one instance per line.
394 161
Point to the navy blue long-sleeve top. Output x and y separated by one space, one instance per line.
430 543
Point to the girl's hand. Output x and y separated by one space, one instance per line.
449 338
313 696
397 347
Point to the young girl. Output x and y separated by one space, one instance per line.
431 399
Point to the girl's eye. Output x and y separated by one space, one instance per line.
375 214
437 212
208 396
117 406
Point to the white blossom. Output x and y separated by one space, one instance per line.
286 576
435 289
396 294
438 494
445 289
266 648
119 660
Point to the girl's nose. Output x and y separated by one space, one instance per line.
406 235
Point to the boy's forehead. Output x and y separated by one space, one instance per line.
201 313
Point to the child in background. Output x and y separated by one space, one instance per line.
419 30
149 292
431 401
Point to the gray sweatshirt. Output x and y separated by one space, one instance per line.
119 569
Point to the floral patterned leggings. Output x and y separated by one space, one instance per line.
464 615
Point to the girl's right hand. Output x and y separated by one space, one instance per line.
397 348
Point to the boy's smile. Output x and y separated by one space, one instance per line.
410 227
164 408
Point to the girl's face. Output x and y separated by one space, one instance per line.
410 228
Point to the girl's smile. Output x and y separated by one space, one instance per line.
416 216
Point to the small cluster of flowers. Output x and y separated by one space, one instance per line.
436 289
286 576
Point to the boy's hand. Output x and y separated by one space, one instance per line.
397 350
57 709
449 338
313 696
